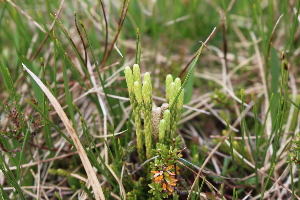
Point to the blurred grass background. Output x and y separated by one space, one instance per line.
241 64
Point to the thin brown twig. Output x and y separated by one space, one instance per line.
106 29
224 31
140 167
272 35
205 171
47 34
230 6
120 24
81 38
188 64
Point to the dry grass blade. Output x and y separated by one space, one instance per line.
84 159
122 189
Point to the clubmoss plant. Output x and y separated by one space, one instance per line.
159 122
136 97
147 99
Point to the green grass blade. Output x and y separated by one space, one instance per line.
69 98
22 152
11 179
188 76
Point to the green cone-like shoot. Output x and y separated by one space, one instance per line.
172 93
180 100
147 78
147 93
138 92
129 78
167 118
169 80
162 130
136 73
177 84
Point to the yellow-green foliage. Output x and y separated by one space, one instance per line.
160 123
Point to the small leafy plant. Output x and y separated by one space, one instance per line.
165 170
296 155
